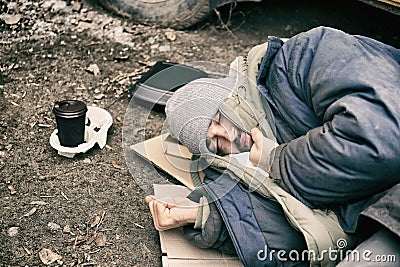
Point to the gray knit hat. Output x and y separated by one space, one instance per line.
191 108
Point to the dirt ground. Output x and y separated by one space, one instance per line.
89 210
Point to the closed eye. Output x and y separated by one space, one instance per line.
211 145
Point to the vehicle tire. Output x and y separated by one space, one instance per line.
179 14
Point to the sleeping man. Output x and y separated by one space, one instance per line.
318 117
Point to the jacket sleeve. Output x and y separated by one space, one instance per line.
340 96
213 234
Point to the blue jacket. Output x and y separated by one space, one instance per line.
336 104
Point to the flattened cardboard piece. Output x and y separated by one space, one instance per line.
173 148
177 251
168 156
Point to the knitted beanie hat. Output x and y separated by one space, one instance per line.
191 108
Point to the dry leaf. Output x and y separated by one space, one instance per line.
67 229
99 96
76 6
114 163
93 68
12 190
100 239
96 221
86 247
29 213
48 257
137 130
89 239
11 19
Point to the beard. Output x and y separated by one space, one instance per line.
240 147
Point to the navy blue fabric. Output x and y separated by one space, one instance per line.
335 98
256 225
235 209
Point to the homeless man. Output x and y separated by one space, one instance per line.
331 102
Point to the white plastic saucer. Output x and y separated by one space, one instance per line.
98 122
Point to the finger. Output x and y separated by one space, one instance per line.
162 201
153 214
257 136
149 199
160 208
162 214
157 212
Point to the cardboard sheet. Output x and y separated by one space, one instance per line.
177 251
167 155
170 156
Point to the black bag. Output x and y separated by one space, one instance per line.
158 84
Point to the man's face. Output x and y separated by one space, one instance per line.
223 137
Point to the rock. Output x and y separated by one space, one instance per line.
86 161
48 257
58 6
47 5
13 231
164 48
53 226
11 19
93 68
170 36
76 6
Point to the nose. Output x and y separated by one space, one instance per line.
221 131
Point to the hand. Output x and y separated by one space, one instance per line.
167 215
260 152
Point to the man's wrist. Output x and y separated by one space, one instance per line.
192 215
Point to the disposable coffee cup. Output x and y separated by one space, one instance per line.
70 117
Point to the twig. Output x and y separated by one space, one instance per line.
90 194
101 221
87 264
62 193
55 175
138 225
27 251
75 242
224 25
105 230
96 43
95 251
81 239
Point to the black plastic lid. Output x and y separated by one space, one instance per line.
69 108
